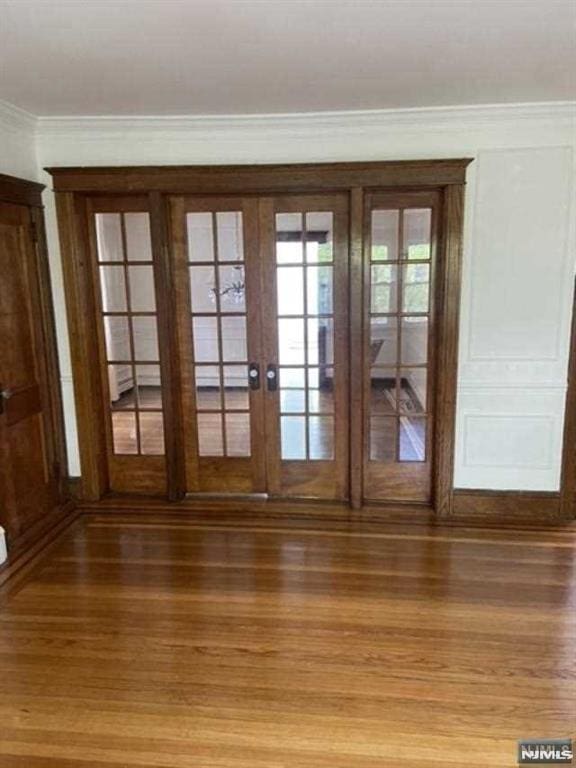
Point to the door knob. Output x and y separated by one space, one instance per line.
5 394
271 378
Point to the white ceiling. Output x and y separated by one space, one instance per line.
155 57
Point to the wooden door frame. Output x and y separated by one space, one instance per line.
26 193
445 176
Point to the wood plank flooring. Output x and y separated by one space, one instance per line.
213 643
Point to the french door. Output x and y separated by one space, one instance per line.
261 301
297 344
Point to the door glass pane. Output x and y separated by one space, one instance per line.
236 393
289 246
109 236
210 437
385 235
415 288
320 290
203 289
417 233
232 289
412 438
384 340
149 387
200 237
138 238
291 341
293 437
290 287
208 394
292 377
234 341
321 437
151 433
122 387
319 236
145 338
414 340
320 341
142 298
230 236
124 433
384 288
117 336
113 289
320 390
383 438
293 400
131 339
237 434
413 386
205 334
382 390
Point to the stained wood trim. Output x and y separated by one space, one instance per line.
568 476
20 191
83 344
449 277
356 372
53 385
174 438
260 179
506 505
29 550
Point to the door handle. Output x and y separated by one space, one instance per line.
254 376
271 378
5 394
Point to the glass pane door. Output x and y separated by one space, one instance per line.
124 280
218 314
306 261
399 392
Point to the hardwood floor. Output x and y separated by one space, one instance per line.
224 643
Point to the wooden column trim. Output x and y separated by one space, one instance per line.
83 347
447 347
568 477
170 366
356 375
58 437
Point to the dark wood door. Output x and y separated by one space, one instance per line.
28 469
304 257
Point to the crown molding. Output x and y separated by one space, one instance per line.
17 120
428 118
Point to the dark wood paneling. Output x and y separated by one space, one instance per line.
20 191
506 505
449 277
72 225
568 477
260 179
356 366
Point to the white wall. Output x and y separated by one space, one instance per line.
518 260
17 143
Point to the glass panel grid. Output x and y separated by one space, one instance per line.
219 330
399 327
128 303
305 306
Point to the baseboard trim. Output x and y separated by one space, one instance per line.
471 506
28 550
516 506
